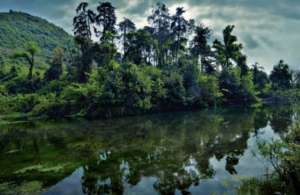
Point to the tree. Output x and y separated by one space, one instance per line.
160 21
179 27
296 79
29 54
210 91
229 49
82 22
106 19
82 30
235 89
189 72
126 26
56 69
229 82
260 78
242 64
235 82
141 45
128 88
281 76
1 62
200 48
104 53
1 67
175 91
137 87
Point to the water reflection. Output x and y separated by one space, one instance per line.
182 153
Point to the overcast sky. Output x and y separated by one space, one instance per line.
268 29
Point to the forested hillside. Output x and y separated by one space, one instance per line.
18 28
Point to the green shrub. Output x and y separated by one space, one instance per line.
158 90
21 85
248 89
129 88
55 86
210 92
5 107
22 103
236 89
175 91
3 90
51 106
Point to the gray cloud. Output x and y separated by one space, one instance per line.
269 29
250 42
268 42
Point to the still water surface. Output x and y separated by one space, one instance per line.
208 152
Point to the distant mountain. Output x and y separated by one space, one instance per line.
17 28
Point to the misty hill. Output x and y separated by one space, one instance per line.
17 28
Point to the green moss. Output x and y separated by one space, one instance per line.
26 188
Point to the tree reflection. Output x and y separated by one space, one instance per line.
176 152
116 155
281 119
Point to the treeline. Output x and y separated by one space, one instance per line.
171 64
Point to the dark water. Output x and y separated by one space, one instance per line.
208 152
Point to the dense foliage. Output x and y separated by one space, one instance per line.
168 65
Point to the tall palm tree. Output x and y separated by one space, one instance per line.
83 20
106 18
126 26
179 27
200 47
229 49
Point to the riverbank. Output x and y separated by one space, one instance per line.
280 97
69 110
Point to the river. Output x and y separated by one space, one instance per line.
206 152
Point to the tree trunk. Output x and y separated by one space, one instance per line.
31 63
